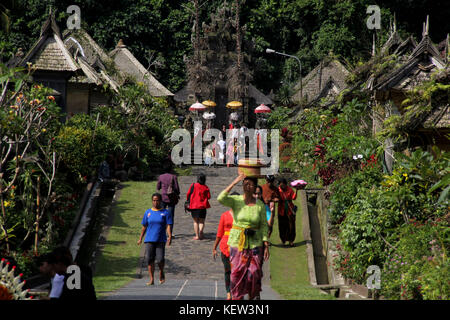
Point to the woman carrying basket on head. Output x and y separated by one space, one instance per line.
248 239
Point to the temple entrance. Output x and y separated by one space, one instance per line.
221 95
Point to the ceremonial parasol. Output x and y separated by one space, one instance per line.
197 107
262 108
209 116
234 105
299 184
209 103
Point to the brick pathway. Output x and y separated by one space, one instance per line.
191 272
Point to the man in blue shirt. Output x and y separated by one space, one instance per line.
155 224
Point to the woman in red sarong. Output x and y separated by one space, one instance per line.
286 213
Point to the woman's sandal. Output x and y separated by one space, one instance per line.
162 279
150 283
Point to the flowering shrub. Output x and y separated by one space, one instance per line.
365 232
327 140
83 145
399 225
144 123
43 157
29 117
418 267
344 191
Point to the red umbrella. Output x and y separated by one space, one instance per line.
197 107
262 108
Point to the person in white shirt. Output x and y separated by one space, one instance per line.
46 267
222 144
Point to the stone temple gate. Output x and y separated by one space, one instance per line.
216 73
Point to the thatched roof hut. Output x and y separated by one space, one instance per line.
129 65
327 79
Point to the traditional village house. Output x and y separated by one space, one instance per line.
326 80
99 80
129 65
53 63
79 71
390 90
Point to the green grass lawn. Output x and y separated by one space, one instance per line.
289 266
185 171
117 264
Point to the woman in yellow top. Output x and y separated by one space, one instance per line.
248 239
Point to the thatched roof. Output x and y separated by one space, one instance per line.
129 65
438 119
392 43
260 98
98 68
328 78
49 52
419 66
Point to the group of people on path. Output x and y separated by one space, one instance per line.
243 232
230 148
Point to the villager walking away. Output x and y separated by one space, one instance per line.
270 195
170 190
198 196
248 239
223 233
155 224
286 213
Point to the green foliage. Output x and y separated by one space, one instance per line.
409 186
143 122
423 99
327 142
29 117
82 149
309 29
279 117
345 190
389 220
418 268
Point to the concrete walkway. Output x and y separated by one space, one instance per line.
191 272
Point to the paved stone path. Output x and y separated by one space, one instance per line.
191 272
